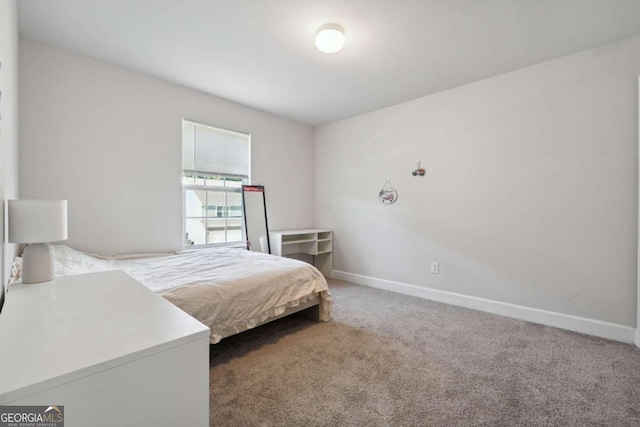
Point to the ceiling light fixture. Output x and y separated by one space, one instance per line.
330 38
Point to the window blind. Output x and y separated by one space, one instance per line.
214 151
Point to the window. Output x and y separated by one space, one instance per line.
215 164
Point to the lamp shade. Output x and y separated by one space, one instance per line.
37 221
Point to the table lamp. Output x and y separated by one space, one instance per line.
37 222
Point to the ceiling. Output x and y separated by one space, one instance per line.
261 53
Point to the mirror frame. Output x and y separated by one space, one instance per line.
255 189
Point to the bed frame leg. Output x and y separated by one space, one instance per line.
312 313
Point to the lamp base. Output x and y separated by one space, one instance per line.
38 263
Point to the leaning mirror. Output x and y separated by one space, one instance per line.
255 218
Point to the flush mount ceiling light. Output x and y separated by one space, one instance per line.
330 38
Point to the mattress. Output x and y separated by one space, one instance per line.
228 289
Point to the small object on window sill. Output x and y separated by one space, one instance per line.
388 195
420 171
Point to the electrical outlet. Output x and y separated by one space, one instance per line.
435 267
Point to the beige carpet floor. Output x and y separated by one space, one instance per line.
392 360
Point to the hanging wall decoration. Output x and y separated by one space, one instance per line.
388 195
420 171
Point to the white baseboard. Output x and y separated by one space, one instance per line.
583 325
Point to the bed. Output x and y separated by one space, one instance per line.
228 289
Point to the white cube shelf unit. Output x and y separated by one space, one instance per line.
317 242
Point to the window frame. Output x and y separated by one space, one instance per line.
245 180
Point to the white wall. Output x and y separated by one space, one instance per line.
109 140
531 190
8 127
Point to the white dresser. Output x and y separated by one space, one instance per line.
107 348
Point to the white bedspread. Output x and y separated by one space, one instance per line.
229 289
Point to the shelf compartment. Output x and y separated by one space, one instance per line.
293 242
324 246
324 235
298 238
308 247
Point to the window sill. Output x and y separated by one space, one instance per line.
215 245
